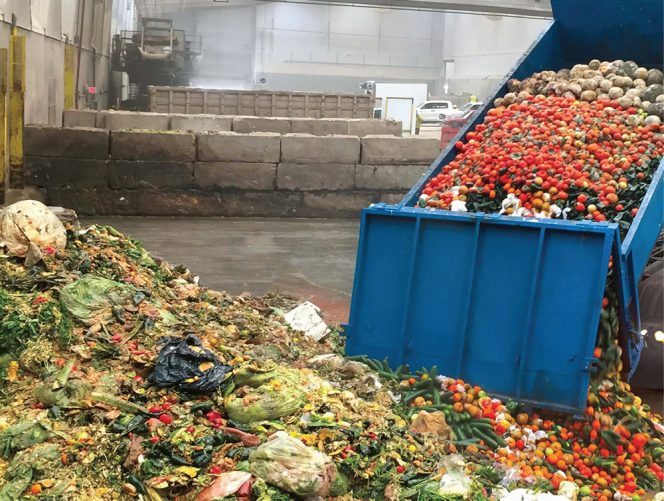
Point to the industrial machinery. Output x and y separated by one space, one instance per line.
157 54
486 297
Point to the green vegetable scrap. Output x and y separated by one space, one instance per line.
22 436
18 479
266 396
25 466
61 391
28 316
92 298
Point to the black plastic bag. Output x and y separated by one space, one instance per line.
186 365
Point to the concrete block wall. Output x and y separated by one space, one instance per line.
322 126
119 120
200 123
79 118
234 147
155 173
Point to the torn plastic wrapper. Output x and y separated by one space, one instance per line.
455 483
224 485
430 422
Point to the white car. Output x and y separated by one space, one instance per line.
470 106
465 111
430 111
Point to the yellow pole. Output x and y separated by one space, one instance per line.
70 71
3 121
16 107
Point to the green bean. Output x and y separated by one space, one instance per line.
458 433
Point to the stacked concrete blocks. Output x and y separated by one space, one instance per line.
68 163
79 118
119 120
246 125
227 173
390 165
363 127
159 166
322 170
200 123
59 158
229 160
320 126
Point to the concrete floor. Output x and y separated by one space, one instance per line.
309 258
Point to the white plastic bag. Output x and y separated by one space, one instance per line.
287 463
305 318
458 206
455 482
30 227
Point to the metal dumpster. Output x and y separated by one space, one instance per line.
509 303
261 103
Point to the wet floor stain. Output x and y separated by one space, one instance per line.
312 259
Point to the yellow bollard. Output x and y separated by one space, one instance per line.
16 107
70 70
3 121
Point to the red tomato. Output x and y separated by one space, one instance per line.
166 418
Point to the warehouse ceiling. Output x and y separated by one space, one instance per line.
525 8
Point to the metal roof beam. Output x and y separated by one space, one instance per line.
523 8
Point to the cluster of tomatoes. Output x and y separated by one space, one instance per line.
600 454
592 160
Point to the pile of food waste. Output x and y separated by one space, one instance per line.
552 152
123 378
